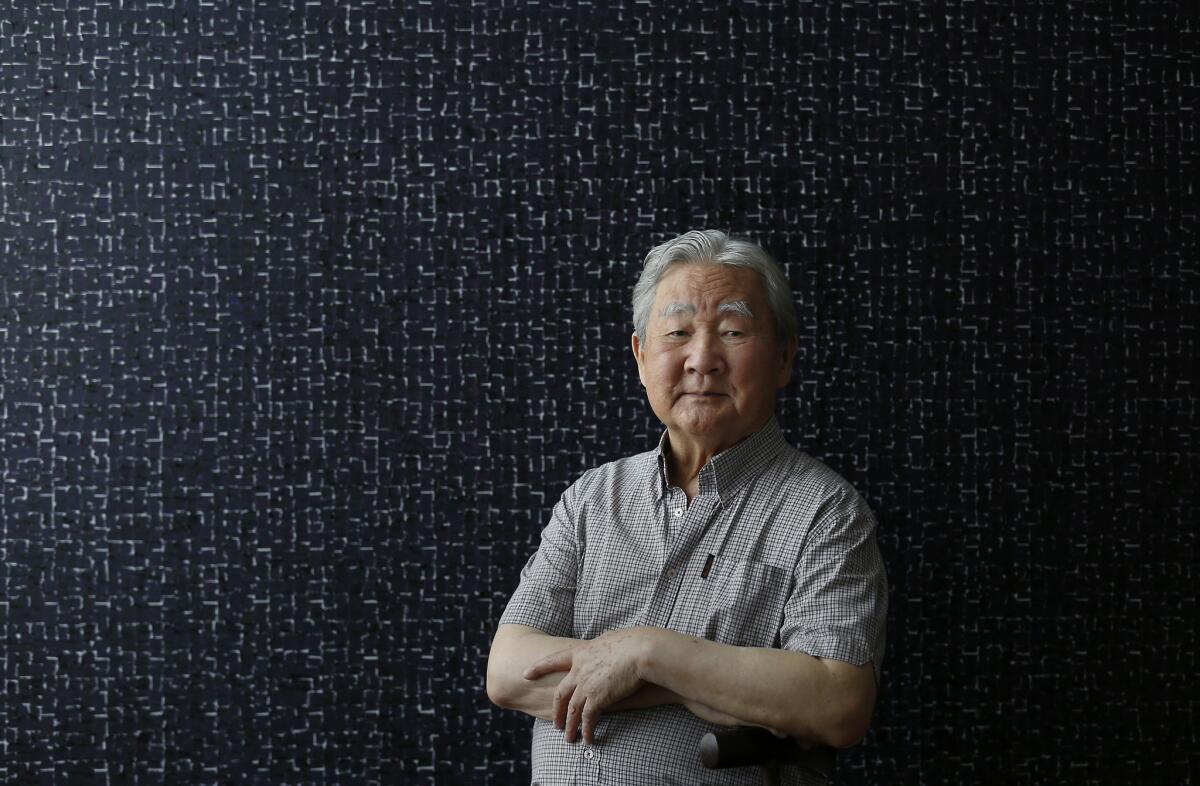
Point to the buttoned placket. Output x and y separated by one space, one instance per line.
684 526
590 762
676 506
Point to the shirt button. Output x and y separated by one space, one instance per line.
672 572
678 511
589 754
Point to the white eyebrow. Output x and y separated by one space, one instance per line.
678 308
739 307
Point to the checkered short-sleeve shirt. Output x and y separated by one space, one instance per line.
776 550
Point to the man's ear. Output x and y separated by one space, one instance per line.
787 352
636 345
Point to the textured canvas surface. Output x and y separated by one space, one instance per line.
309 311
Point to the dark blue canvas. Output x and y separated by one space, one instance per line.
310 311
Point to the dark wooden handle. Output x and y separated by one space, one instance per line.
747 746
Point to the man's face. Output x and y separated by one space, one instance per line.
711 361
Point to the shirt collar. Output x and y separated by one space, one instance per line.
726 472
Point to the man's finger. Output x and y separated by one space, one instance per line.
562 698
578 702
591 715
555 661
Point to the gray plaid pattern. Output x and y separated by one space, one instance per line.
795 566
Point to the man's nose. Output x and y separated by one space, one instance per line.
707 355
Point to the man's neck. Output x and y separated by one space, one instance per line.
684 471
686 457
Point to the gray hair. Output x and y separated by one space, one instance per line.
714 247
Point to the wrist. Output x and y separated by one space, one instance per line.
650 644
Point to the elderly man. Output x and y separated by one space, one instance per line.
722 578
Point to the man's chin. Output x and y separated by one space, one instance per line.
698 422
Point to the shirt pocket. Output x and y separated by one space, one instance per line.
745 603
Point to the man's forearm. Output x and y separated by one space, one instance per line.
513 649
516 647
793 693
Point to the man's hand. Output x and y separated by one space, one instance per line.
600 673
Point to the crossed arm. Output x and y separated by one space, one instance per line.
572 682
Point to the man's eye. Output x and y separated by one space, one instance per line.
677 333
734 333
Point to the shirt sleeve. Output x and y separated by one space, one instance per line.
838 606
545 597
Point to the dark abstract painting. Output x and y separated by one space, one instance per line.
309 311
